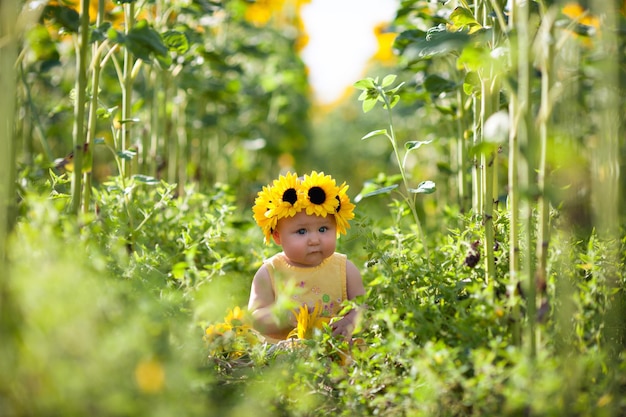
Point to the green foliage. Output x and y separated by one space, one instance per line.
104 312
241 91
373 92
102 322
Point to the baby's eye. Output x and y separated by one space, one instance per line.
323 229
301 231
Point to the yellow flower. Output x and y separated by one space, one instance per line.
263 204
385 40
576 12
260 12
321 192
345 211
307 322
150 376
232 338
235 317
316 193
289 201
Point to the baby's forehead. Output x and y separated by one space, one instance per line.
302 219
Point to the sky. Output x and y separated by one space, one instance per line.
341 42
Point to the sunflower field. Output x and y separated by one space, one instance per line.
484 147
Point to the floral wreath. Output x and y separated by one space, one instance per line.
316 193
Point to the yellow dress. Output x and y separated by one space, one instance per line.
325 283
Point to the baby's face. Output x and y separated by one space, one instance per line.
307 239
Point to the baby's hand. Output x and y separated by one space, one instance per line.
344 327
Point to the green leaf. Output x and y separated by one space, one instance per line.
66 17
424 187
178 270
131 120
437 42
394 100
436 84
378 191
99 33
415 144
146 179
144 41
483 148
365 84
368 105
447 110
471 84
164 61
127 154
388 80
375 133
473 58
176 41
463 18
116 36
42 45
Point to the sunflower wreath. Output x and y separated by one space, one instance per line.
316 193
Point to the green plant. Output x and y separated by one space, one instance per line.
374 92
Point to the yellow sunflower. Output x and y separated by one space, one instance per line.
345 211
289 201
320 192
307 322
263 205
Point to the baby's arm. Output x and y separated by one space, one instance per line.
354 283
260 304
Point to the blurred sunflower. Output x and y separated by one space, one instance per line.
576 12
261 11
231 338
385 39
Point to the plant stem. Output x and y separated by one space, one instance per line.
127 86
545 111
409 197
78 133
489 102
43 139
8 205
513 199
461 153
93 107
605 173
526 165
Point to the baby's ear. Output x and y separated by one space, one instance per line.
276 237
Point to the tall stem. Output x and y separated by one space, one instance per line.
545 111
461 153
93 107
78 132
127 86
9 317
605 169
513 195
526 165
489 102
409 197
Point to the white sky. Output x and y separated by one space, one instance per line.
341 41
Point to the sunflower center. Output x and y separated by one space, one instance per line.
317 195
338 205
291 196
